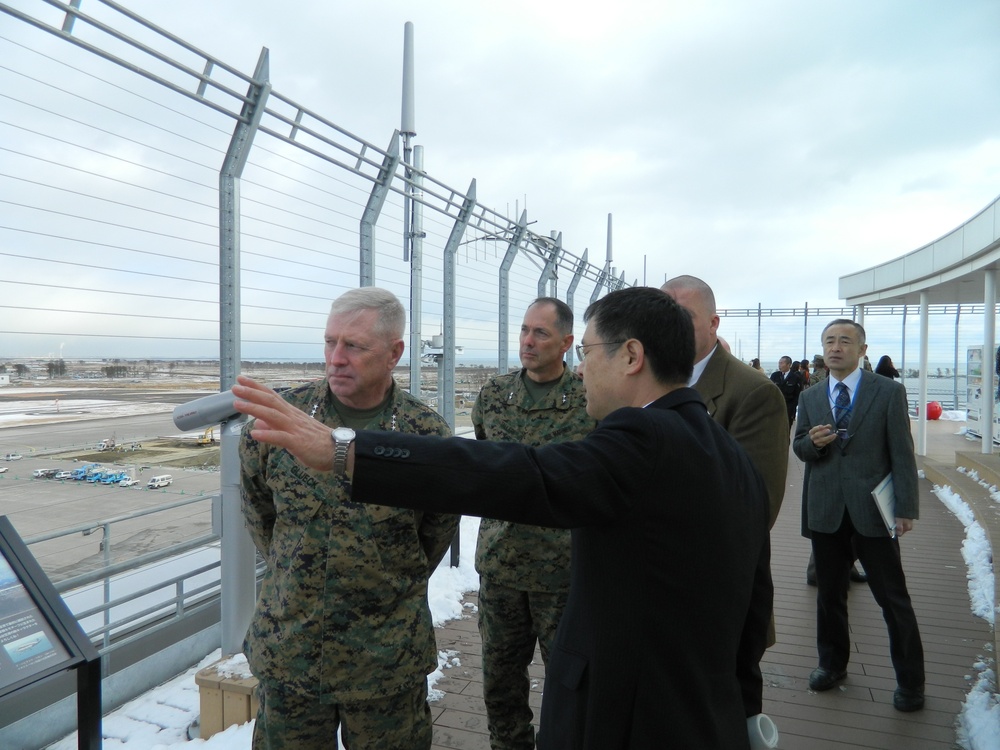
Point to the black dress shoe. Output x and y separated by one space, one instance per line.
823 679
858 576
908 700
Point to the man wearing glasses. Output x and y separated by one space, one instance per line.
523 569
657 487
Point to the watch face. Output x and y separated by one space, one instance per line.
343 434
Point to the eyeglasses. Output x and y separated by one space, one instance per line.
581 348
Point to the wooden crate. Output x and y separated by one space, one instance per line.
224 700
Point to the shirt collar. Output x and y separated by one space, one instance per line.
851 381
699 367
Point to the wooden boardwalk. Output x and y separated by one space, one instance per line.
857 715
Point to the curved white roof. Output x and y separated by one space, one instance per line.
950 268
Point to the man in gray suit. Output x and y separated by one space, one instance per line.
852 431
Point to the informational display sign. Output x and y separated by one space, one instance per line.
975 395
40 637
28 645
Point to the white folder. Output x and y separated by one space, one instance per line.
885 501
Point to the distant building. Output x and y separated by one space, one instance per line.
4 379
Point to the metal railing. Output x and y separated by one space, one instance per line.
136 593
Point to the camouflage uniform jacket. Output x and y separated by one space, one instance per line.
342 613
528 558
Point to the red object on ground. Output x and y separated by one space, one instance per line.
934 410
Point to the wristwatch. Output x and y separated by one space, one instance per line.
342 439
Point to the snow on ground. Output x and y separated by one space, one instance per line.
159 719
979 720
21 413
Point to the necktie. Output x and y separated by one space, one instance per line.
843 406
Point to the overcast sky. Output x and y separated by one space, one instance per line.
768 147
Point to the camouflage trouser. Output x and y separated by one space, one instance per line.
289 721
510 621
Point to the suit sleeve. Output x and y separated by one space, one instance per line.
802 444
562 485
760 426
904 463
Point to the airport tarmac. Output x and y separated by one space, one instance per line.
60 428
39 506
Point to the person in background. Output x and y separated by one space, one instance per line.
819 372
851 435
657 489
524 569
789 383
866 363
804 369
755 364
342 635
886 368
857 574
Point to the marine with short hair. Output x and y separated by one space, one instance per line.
524 570
342 634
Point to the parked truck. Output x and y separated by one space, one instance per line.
80 473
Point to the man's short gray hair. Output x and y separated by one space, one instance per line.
391 321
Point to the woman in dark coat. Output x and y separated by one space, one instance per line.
884 367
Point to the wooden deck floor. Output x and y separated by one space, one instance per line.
859 714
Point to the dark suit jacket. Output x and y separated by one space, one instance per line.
790 387
645 656
842 475
742 400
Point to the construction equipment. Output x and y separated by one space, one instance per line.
207 437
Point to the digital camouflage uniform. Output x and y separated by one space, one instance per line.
342 618
523 570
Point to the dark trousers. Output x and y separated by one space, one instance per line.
791 406
881 560
510 621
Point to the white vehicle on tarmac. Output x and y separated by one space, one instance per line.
3 469
128 482
13 457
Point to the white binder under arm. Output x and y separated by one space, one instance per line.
885 501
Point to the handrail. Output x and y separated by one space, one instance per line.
85 527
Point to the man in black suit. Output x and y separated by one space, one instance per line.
657 487
739 399
790 384
854 430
